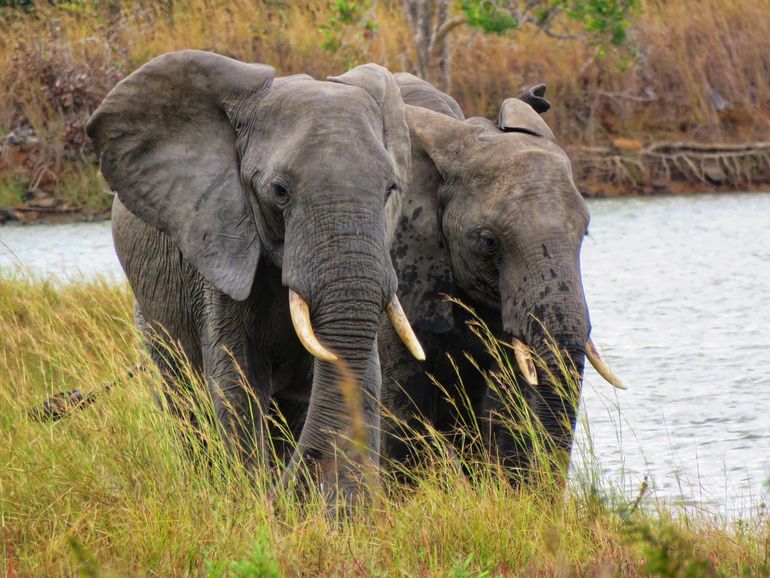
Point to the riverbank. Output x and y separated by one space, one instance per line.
619 171
109 491
690 72
628 167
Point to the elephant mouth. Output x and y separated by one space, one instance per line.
300 318
528 369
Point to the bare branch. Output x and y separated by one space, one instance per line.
550 33
446 28
649 95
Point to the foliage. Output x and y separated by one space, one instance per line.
488 16
11 191
668 553
26 5
260 562
604 20
349 18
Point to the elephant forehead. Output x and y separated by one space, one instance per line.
320 103
541 207
518 170
315 152
511 181
521 149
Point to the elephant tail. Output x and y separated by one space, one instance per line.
61 404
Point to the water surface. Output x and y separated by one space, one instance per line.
679 299
68 252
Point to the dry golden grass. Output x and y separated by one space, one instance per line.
692 70
110 491
681 49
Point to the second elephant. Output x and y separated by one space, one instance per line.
492 217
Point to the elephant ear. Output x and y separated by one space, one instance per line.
420 253
445 139
168 149
534 96
519 116
418 92
382 87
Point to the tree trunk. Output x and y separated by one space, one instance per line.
430 25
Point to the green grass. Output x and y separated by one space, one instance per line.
80 187
109 491
85 190
11 191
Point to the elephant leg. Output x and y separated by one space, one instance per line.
291 383
508 431
240 395
407 402
176 392
166 290
287 420
238 377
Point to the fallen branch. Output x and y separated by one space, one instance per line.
735 165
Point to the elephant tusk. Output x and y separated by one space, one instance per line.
300 318
404 329
601 366
525 362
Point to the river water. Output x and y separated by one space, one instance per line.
680 306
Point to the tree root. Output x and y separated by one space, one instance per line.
736 166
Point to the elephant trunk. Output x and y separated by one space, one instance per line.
342 422
554 401
345 278
544 307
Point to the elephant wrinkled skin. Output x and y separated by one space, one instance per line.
235 190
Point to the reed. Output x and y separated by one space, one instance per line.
115 490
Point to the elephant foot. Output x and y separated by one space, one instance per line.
344 487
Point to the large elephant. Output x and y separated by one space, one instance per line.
491 216
251 220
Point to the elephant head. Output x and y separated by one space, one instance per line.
500 224
249 174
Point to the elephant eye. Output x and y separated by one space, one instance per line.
487 242
394 188
279 193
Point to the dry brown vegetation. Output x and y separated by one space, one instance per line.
691 71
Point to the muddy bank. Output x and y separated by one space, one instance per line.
631 168
29 214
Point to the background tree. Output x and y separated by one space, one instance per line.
431 23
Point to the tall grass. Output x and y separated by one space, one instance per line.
113 490
691 70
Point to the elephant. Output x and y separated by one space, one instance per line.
252 218
491 217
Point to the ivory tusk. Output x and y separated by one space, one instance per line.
404 330
300 318
525 362
601 366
